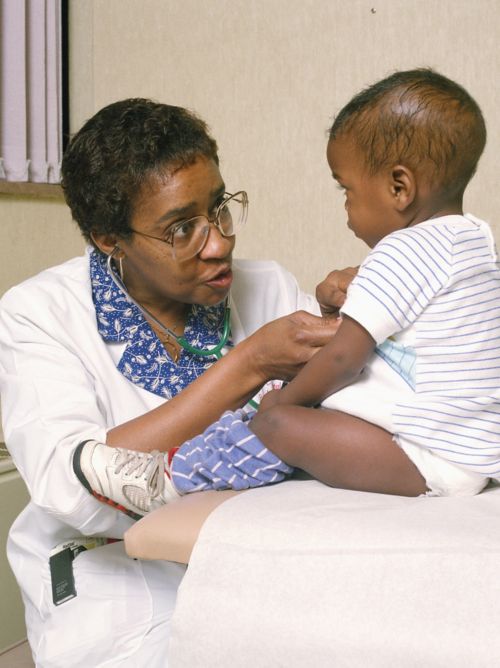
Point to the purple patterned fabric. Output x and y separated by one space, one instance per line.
227 455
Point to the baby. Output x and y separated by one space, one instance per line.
405 399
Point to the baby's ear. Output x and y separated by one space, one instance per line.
403 187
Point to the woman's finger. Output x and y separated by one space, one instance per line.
312 330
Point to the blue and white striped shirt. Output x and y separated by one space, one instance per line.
430 297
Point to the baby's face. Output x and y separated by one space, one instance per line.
369 198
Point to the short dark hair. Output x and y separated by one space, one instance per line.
419 118
120 149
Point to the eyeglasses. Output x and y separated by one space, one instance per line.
188 237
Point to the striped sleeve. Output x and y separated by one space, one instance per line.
398 279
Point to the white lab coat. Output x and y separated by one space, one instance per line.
60 385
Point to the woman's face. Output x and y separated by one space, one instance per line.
150 272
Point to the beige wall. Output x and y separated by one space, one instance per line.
34 234
268 76
13 498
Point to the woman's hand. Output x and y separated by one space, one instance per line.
279 349
282 347
331 292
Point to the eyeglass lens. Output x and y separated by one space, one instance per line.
190 236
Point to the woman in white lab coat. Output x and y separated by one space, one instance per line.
80 360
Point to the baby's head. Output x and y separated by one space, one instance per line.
418 118
421 121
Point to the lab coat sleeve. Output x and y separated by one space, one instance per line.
297 299
49 404
263 291
306 302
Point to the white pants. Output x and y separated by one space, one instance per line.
122 623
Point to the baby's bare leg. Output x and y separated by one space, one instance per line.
338 449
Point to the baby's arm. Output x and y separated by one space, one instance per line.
336 365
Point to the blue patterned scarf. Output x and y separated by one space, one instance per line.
145 362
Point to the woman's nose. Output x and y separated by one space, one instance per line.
216 246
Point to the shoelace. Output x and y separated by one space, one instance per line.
145 465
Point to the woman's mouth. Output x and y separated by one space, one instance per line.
222 280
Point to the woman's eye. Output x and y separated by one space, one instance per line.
183 229
218 205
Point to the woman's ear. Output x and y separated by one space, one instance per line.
403 187
104 242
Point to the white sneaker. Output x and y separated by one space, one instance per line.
133 482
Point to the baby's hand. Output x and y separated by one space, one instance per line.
331 292
269 400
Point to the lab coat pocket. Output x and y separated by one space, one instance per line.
109 616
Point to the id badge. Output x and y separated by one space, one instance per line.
61 575
61 565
